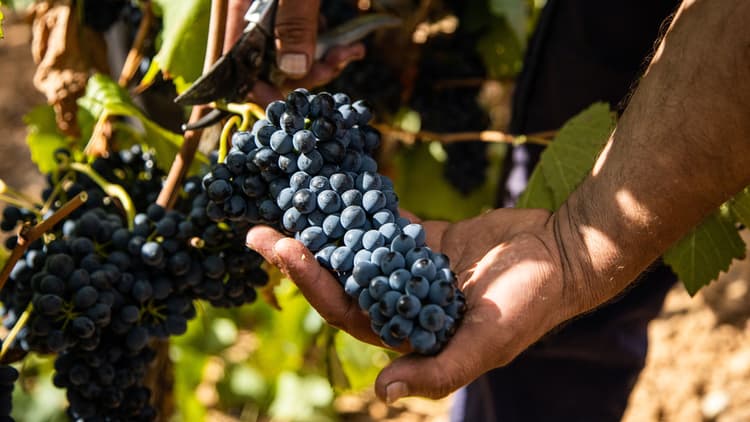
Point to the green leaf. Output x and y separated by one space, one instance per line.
702 254
537 193
17 4
1 24
334 367
247 381
514 12
44 137
185 23
104 96
188 374
301 397
571 156
423 190
740 206
408 120
500 50
361 362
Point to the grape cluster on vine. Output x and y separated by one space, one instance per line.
100 285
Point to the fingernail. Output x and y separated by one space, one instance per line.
293 64
395 391
249 240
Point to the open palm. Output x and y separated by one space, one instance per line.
507 264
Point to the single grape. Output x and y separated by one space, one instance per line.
303 141
353 217
432 317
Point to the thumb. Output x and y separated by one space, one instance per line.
295 30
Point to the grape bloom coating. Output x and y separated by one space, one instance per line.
307 169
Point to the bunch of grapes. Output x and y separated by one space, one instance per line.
106 382
98 289
307 169
136 169
102 284
448 105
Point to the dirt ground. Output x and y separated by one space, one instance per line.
17 97
698 365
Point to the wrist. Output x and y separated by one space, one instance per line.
590 242
575 269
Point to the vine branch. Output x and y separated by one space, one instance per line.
184 159
160 377
27 234
135 55
492 136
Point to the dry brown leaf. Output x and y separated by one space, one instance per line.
65 54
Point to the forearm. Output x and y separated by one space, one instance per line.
678 152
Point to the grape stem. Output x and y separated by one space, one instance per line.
492 136
22 320
15 197
18 203
55 192
224 139
135 55
183 160
110 189
27 234
98 144
250 112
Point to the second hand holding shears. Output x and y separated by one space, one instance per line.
252 58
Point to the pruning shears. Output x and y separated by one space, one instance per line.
251 58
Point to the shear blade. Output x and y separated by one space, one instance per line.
218 83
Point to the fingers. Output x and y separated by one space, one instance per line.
317 285
264 93
464 359
235 22
434 231
262 239
334 63
409 216
295 31
339 57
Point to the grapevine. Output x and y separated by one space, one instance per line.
118 254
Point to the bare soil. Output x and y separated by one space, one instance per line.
17 97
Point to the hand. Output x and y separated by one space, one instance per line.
508 265
296 30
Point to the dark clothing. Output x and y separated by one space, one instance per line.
583 51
